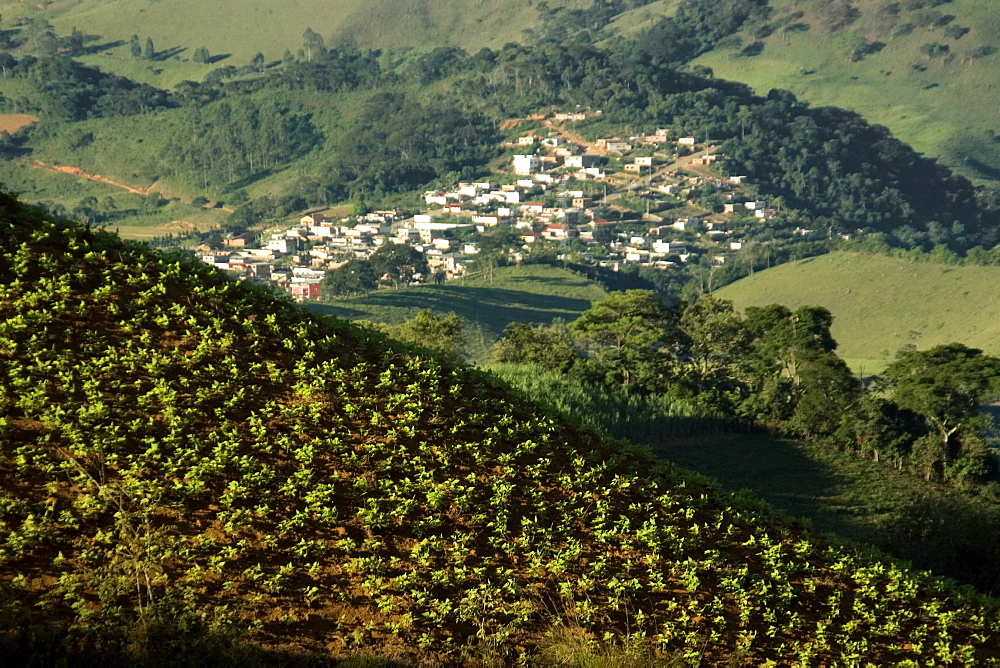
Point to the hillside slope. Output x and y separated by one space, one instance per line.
223 26
881 304
171 438
535 294
880 61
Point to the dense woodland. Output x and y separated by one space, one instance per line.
777 369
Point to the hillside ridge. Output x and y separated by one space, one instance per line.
174 438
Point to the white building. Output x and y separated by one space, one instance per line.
527 164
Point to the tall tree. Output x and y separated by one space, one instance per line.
314 46
628 334
714 349
946 385
399 262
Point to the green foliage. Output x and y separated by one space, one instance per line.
547 346
68 91
695 28
396 143
438 332
652 420
237 140
199 441
946 385
628 333
398 263
355 277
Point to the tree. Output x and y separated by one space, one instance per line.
827 389
354 277
314 47
439 332
134 48
201 55
714 347
149 53
784 344
946 385
544 345
398 263
781 336
628 335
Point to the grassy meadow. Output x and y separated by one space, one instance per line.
881 304
944 106
234 31
527 293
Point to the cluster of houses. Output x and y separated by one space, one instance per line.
296 257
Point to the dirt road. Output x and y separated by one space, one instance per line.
76 171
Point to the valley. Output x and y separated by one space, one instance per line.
552 333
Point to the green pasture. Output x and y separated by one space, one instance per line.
881 304
527 293
234 31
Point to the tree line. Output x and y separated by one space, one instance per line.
777 369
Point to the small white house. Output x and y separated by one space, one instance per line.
525 165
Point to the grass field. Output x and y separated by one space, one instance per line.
630 23
881 304
943 106
233 31
528 293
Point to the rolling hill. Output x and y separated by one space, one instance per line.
881 61
182 454
535 294
233 31
881 304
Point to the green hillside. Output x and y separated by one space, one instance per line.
233 31
532 293
881 304
942 102
182 455
837 491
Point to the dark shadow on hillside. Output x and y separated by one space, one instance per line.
550 280
169 53
55 646
250 179
104 46
342 312
776 471
984 170
492 308
212 60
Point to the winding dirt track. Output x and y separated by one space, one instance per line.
76 171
